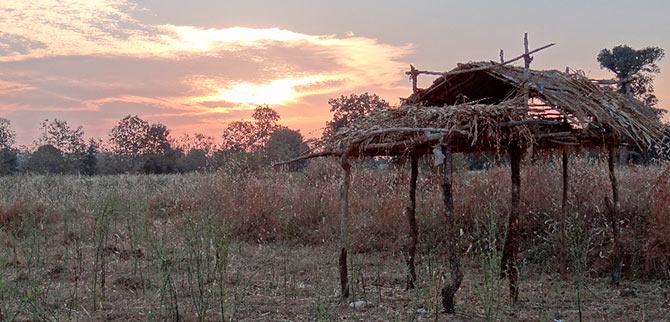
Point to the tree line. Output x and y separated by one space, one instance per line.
135 145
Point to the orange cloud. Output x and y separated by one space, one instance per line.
101 59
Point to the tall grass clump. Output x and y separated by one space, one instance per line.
489 262
101 232
579 247
206 250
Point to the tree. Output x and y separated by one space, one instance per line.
90 159
8 161
265 123
46 159
69 141
58 133
347 108
143 146
238 136
285 144
251 136
7 134
635 69
157 140
194 160
129 136
198 141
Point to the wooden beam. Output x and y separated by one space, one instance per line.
612 81
529 122
456 276
410 212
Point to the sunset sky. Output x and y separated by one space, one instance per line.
197 65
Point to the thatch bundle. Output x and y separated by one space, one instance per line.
411 127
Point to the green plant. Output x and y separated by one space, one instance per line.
489 260
103 218
206 249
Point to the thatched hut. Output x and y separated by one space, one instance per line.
488 106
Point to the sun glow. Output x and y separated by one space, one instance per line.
192 38
277 92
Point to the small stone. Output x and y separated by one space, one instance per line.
358 304
421 311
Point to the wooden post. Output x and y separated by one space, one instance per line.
613 214
526 58
410 212
502 56
508 262
563 260
344 225
456 276
414 75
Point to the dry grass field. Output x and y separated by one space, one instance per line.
263 247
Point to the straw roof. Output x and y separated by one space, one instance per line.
481 106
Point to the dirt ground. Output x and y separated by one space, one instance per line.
310 292
278 282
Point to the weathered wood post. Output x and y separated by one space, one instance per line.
613 214
511 248
413 75
344 224
563 256
508 263
456 275
410 212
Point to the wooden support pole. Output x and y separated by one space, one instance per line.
613 214
414 74
563 256
526 68
410 212
508 263
526 57
502 56
344 225
456 277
